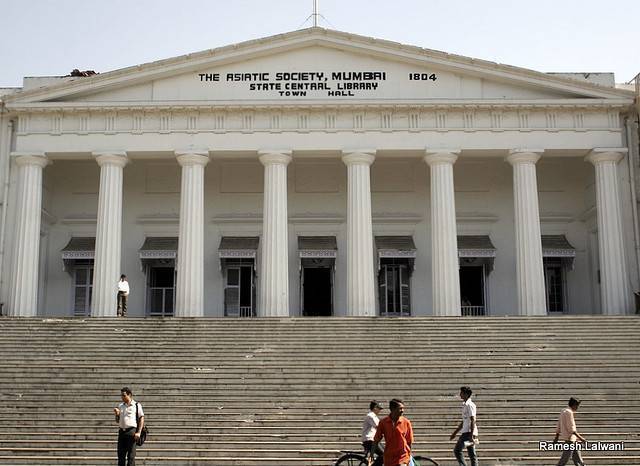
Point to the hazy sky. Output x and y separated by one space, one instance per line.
52 37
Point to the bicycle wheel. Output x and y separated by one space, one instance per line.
351 459
424 461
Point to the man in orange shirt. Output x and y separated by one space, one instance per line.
398 435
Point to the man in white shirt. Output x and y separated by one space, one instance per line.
123 295
567 431
130 427
369 427
467 427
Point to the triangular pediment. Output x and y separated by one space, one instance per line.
316 65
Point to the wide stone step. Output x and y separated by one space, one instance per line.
527 458
294 391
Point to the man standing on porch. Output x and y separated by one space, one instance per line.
123 296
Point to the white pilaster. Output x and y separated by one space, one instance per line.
106 267
24 283
445 278
614 281
360 269
190 261
274 266
529 269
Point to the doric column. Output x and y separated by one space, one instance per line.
24 282
529 270
445 278
274 266
360 271
190 261
614 282
106 266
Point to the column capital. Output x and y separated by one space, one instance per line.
191 157
441 156
31 158
274 157
358 156
112 157
517 156
600 155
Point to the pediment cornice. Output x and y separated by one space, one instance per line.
311 105
304 38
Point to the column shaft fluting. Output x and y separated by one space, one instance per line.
445 277
360 266
274 264
614 282
24 283
529 267
107 261
190 260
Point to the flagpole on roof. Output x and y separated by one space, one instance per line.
315 13
315 16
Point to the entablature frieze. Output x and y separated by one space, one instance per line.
393 117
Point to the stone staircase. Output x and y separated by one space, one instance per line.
294 391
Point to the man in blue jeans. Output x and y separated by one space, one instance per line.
467 427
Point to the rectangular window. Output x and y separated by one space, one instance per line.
82 289
239 291
394 290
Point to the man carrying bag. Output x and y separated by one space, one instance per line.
130 419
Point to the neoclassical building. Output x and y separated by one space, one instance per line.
319 173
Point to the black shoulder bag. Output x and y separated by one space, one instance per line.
144 432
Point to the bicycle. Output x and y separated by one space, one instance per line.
354 458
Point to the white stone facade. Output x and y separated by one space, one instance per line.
235 143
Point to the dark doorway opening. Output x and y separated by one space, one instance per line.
472 290
161 291
554 284
318 296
